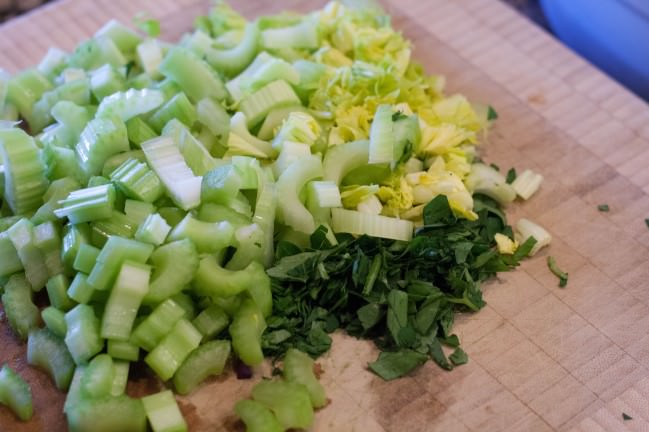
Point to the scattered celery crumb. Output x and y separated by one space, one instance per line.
603 207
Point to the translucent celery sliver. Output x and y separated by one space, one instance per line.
124 300
99 140
289 402
48 352
82 338
273 95
54 320
235 59
20 310
123 37
32 258
123 350
163 412
149 56
354 222
298 368
107 414
343 158
24 171
257 417
381 136
242 142
155 326
169 354
290 208
154 230
120 380
105 81
15 393
207 360
98 376
88 204
246 329
164 157
211 321
129 104
196 78
174 266
301 35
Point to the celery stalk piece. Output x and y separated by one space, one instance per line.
486 180
182 186
242 142
289 402
299 127
15 393
73 74
232 61
213 116
21 312
270 71
163 412
9 260
125 39
355 222
290 208
381 136
138 211
48 352
129 104
178 107
169 88
211 321
209 212
172 215
257 417
275 119
246 329
220 185
249 241
88 204
57 292
24 171
25 89
265 210
195 154
291 151
123 350
196 78
80 290
86 258
273 95
149 56
139 131
174 266
74 391
120 380
302 35
527 183
173 349
107 414
298 368
207 360
58 190
105 81
100 139
115 252
325 193
113 162
150 332
73 237
82 338
154 230
77 91
54 320
343 158
98 376
124 300
136 180
117 225
234 85
207 237
525 229
52 63
21 235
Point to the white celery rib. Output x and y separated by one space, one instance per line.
527 183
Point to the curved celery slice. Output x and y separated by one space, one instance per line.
290 208
174 266
163 412
77 92
48 352
130 103
211 321
272 70
82 338
171 352
486 180
19 308
343 158
525 229
100 139
183 187
257 417
246 329
301 35
208 237
298 368
234 60
24 171
289 401
9 260
273 95
192 74
195 154
15 393
54 320
59 189
159 323
207 360
274 120
242 142
123 37
25 89
113 254
88 204
291 151
178 107
249 243
32 258
381 136
97 378
213 116
527 183
265 210
107 414
136 180
355 222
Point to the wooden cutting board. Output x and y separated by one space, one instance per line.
541 357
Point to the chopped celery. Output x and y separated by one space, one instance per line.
136 180
123 350
242 142
212 115
82 338
24 171
196 78
173 349
486 180
290 402
15 393
21 235
155 326
124 300
86 258
232 61
220 184
52 63
290 209
246 329
21 312
153 230
57 292
112 256
249 241
291 151
118 224
272 70
209 212
48 352
54 320
58 190
139 131
257 417
107 414
174 266
525 229
207 360
97 378
183 187
129 104
25 89
138 211
88 204
113 162
9 260
265 210
105 81
273 95
163 412
298 368
149 56
124 38
120 379
325 193
195 154
211 321
527 183
100 139
343 158
206 236
301 35
178 107
73 237
77 91
274 120
382 136
355 222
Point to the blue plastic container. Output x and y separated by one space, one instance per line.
612 34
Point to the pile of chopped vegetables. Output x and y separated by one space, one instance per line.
242 193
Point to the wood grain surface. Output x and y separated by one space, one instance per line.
541 357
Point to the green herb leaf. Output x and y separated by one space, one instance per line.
491 113
391 365
511 176
438 211
458 357
603 207
626 417
554 268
